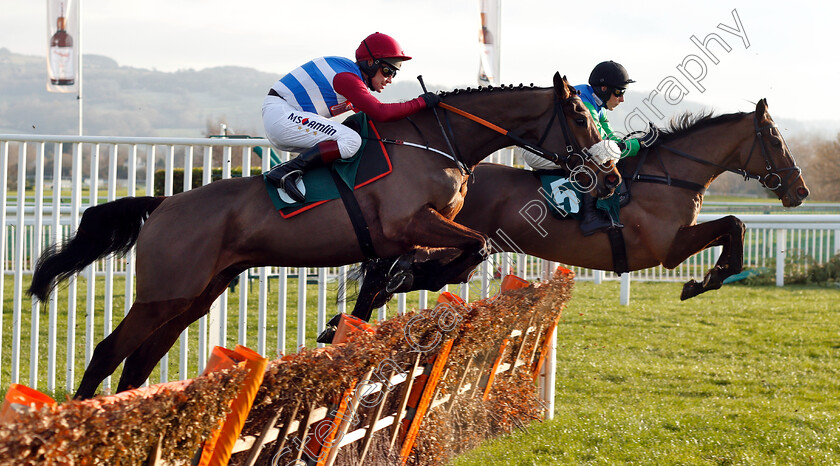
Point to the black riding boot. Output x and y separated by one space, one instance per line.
594 220
285 175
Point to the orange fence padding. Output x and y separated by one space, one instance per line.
512 282
240 407
428 390
21 398
323 433
348 324
492 376
221 358
447 297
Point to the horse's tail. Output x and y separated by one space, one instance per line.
110 228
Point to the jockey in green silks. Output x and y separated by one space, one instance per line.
605 91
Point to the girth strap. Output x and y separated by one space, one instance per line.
619 250
360 226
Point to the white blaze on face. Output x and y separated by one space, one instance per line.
604 151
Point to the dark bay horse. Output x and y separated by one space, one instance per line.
189 246
660 220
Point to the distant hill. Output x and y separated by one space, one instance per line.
126 101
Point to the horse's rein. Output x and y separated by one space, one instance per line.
571 143
474 118
535 148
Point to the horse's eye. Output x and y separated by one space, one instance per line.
776 143
580 121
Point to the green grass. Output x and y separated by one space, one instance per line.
739 376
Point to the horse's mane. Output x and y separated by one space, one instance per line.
688 122
503 87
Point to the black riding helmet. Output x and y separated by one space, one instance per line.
610 74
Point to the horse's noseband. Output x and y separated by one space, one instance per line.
772 180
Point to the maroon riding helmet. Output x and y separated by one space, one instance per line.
377 51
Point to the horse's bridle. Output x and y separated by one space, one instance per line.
572 145
772 172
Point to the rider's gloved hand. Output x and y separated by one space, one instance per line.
606 151
431 99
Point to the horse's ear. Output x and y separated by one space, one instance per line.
761 108
561 86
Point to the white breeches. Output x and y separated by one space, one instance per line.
293 130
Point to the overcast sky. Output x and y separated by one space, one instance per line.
791 57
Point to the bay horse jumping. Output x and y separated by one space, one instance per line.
667 184
191 245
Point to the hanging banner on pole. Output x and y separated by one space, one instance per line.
62 51
488 41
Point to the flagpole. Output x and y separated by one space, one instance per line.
81 67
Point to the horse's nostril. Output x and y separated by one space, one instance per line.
612 180
802 192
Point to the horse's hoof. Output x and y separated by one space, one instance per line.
335 320
326 337
690 290
402 281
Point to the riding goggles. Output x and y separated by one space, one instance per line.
618 92
388 71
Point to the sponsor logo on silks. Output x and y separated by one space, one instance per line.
304 122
